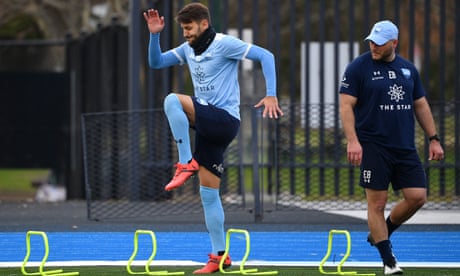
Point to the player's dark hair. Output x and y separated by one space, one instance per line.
193 12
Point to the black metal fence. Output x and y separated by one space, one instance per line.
300 158
270 166
128 159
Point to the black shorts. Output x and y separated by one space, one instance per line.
215 129
381 165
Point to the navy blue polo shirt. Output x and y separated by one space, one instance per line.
385 93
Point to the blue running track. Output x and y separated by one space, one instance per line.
419 247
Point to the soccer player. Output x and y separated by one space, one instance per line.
379 94
213 110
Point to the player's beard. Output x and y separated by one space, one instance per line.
193 38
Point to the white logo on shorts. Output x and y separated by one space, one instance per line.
219 168
367 176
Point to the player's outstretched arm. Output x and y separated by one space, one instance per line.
267 60
157 59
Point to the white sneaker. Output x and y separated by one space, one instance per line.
392 270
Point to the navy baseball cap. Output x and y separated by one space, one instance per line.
382 32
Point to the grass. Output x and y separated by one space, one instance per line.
288 271
17 183
329 183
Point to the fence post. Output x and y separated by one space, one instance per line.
258 210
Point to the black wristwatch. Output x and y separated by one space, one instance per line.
434 137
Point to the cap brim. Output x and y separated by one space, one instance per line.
376 39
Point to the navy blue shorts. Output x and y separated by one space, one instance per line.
381 166
215 129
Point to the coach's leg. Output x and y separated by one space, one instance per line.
376 202
414 199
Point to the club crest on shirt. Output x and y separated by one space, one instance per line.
406 73
199 74
396 93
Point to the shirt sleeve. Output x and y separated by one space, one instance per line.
157 59
350 83
267 61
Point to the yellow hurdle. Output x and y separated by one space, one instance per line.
344 258
147 270
41 268
242 270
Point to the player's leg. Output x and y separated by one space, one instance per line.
214 219
215 129
188 107
180 113
210 179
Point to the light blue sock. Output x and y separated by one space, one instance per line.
179 124
214 217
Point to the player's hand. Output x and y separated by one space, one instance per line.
271 107
435 151
155 22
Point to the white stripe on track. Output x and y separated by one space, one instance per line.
248 263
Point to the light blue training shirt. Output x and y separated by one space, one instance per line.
215 72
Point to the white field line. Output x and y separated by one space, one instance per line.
235 263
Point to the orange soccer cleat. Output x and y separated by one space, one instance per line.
183 172
213 265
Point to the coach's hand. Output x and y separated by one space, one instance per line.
354 153
435 151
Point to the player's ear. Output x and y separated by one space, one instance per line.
204 24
